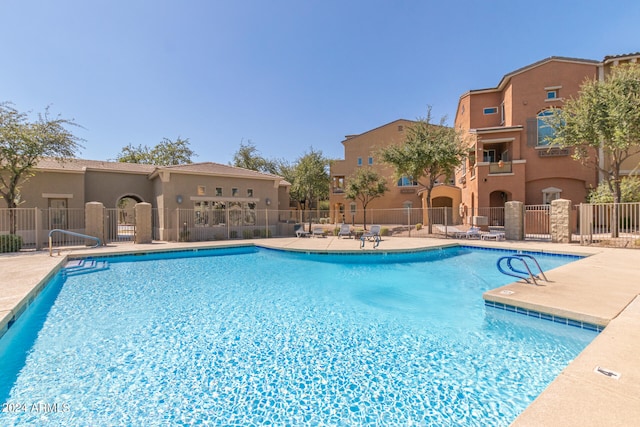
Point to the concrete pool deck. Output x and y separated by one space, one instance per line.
601 289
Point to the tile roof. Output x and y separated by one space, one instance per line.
206 168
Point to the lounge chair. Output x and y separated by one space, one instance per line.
472 233
300 231
317 232
345 230
373 233
493 235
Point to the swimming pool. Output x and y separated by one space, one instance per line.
250 336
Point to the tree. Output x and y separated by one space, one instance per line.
428 152
165 153
629 191
249 157
23 143
365 185
602 125
310 179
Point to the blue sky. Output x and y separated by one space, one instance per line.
285 75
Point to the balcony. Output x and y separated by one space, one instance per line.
500 167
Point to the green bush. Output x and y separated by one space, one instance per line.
418 226
233 234
10 243
265 233
384 231
257 232
247 234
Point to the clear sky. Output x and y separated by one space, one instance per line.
286 75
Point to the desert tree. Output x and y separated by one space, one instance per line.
428 152
23 143
365 185
602 125
310 179
165 153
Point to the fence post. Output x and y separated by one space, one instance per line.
560 221
514 220
38 228
143 229
94 221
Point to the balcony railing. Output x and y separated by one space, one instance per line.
500 167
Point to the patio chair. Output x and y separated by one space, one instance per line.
493 235
473 233
373 233
300 231
345 230
317 232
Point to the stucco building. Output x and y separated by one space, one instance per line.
215 193
509 158
362 151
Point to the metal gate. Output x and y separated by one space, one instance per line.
537 222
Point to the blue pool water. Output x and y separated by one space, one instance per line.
251 336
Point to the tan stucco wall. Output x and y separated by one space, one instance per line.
109 187
53 183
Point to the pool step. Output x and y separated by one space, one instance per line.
83 266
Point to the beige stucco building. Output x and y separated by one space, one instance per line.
361 151
210 190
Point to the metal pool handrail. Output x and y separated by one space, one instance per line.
71 233
527 276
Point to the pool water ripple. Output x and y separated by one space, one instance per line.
266 338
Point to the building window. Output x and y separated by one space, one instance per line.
370 161
218 191
502 113
250 192
490 110
234 192
202 190
352 208
544 130
406 181
552 94
359 161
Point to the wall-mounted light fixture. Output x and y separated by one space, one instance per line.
179 199
267 201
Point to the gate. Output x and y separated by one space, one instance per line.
537 222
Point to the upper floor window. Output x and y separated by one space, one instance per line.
544 130
234 192
490 110
502 113
250 192
202 190
370 161
359 161
406 181
218 191
552 94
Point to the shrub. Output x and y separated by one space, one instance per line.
384 231
257 232
265 233
336 231
184 236
233 234
418 226
247 234
10 243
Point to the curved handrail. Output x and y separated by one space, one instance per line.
71 233
527 275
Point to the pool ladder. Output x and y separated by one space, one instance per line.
527 275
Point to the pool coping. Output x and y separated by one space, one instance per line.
600 289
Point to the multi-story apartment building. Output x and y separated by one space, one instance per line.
361 151
509 158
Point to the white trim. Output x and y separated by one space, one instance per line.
57 196
496 129
497 140
224 199
553 87
553 99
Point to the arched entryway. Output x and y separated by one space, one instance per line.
123 226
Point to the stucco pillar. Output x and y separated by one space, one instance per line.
514 221
94 221
144 232
560 221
